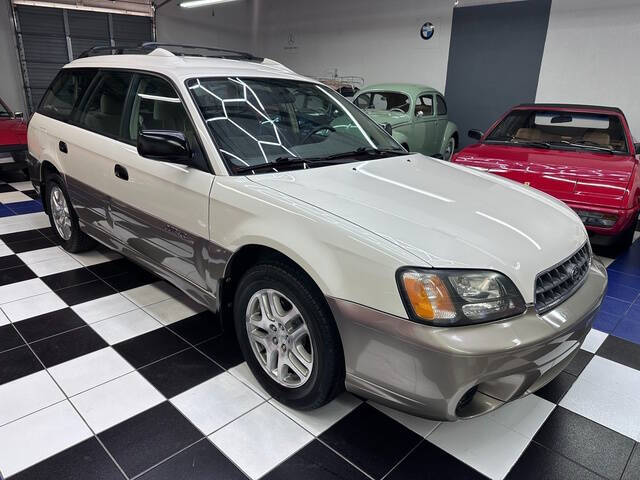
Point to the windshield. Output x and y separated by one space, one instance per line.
560 129
258 121
384 101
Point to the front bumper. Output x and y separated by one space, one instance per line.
461 372
625 217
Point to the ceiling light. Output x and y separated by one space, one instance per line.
203 3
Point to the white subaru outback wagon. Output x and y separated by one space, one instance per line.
341 260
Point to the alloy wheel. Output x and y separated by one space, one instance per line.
448 152
60 212
279 338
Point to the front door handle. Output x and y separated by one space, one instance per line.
63 147
121 172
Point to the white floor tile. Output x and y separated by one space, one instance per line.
22 185
26 395
12 197
152 293
125 326
3 319
40 435
318 420
18 290
260 440
493 443
42 255
242 373
95 257
174 309
216 402
33 306
594 339
607 393
103 308
55 265
111 403
419 425
89 370
4 250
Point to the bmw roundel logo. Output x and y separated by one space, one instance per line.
426 31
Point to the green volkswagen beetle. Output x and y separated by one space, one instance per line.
417 115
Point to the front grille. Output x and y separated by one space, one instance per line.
557 284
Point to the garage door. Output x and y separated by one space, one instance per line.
51 37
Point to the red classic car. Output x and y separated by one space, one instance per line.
582 155
13 137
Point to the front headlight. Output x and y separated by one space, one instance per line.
597 219
458 297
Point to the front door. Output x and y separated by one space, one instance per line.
424 124
441 124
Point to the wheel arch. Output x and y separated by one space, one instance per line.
46 168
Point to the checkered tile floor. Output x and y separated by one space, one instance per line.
107 372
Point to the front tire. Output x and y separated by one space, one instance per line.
63 218
288 336
449 149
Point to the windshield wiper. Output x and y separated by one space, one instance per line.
584 144
531 143
276 165
370 151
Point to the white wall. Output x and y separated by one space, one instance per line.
377 40
10 76
591 56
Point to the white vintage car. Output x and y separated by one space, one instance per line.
340 259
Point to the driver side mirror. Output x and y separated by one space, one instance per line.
388 128
475 134
636 146
164 145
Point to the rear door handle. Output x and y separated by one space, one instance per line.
63 147
121 172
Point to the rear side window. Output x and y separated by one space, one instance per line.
442 106
102 112
65 91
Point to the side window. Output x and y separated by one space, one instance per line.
363 101
157 106
64 93
102 112
424 106
442 106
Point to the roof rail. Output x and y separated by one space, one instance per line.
176 49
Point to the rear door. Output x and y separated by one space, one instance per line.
441 122
161 210
424 125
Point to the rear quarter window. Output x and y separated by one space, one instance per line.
65 92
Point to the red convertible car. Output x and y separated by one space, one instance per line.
13 137
582 155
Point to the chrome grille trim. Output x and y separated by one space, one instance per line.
556 284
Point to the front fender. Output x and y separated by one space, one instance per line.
401 137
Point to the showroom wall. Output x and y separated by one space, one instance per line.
10 76
591 55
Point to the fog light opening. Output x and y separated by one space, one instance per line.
466 399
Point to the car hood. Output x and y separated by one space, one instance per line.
12 132
598 179
383 116
445 215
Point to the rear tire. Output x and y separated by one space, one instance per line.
273 304
449 149
63 218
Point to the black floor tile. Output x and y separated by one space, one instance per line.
11 238
86 460
115 267
148 438
17 274
33 244
10 261
17 363
201 461
129 280
85 292
632 471
585 442
69 278
178 373
224 349
315 462
430 462
49 232
620 351
557 388
537 463
578 363
198 328
152 346
32 194
67 346
49 324
371 440
5 187
9 338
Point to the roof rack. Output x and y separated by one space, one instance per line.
147 47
